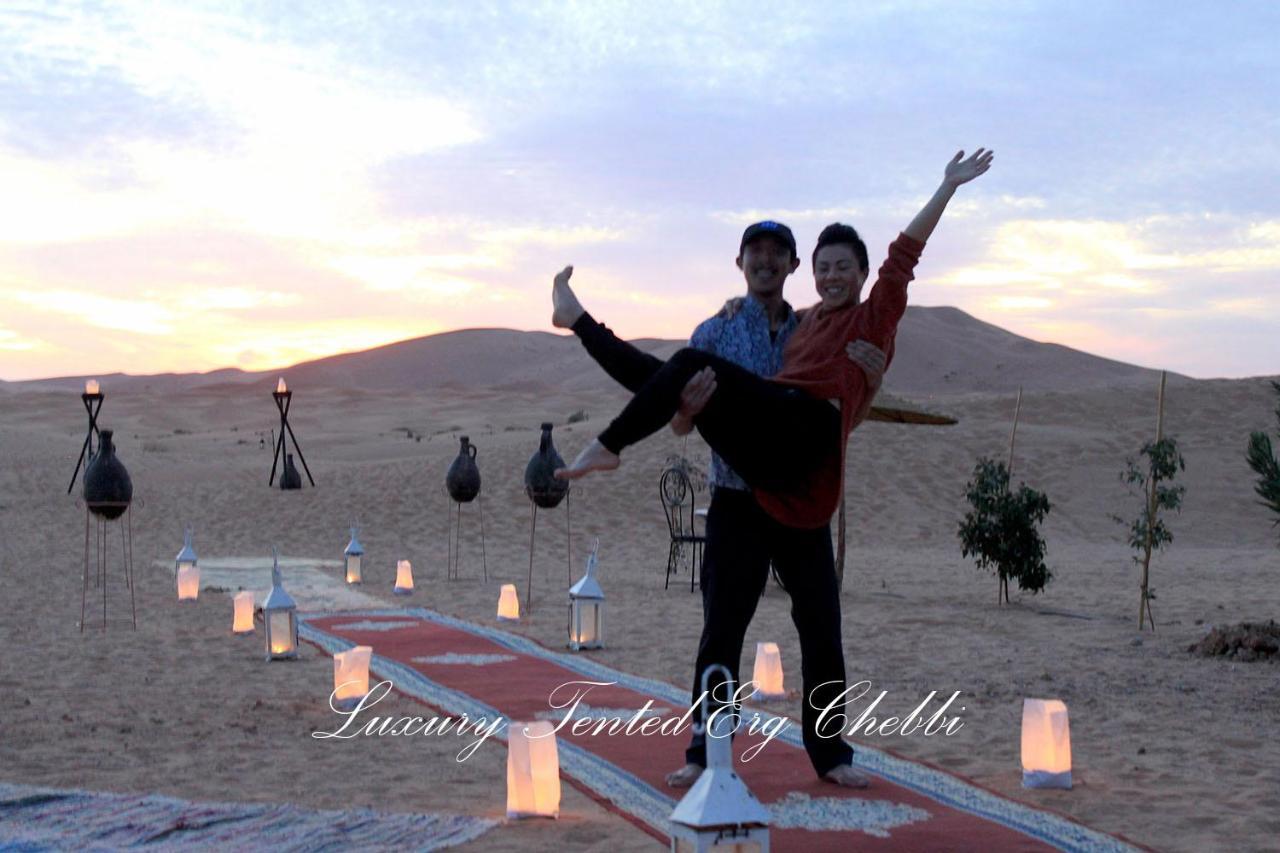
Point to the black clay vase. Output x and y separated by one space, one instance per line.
539 475
463 479
290 478
106 481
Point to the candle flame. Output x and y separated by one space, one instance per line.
91 386
281 387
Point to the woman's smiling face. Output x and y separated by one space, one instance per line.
837 276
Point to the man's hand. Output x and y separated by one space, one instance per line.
872 361
693 399
730 308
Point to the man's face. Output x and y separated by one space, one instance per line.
837 276
765 263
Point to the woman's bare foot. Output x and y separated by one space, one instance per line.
846 776
594 457
565 307
684 777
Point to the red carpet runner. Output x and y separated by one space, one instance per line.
458 667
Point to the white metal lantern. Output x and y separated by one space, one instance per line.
404 578
586 608
352 557
533 770
719 812
351 676
1046 744
186 573
508 603
280 617
767 673
242 616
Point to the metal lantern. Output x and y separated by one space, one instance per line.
533 770
586 608
280 617
352 557
186 573
1046 744
719 812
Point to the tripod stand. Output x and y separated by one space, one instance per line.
283 400
92 405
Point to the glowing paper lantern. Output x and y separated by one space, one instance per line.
352 556
508 603
1046 744
404 578
351 677
280 618
586 609
186 572
767 673
91 387
242 618
533 770
281 388
719 812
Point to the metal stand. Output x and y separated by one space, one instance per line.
455 541
283 400
568 543
92 405
101 529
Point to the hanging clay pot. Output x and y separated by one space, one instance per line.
463 479
539 475
290 478
106 481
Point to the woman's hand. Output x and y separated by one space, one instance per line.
693 399
963 171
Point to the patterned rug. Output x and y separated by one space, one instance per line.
39 819
461 668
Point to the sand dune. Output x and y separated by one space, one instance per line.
941 351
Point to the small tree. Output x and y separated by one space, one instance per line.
1000 531
1148 532
1263 461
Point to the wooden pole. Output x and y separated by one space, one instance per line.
1144 608
1013 434
840 529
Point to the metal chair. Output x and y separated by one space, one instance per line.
678 504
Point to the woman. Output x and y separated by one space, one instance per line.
784 435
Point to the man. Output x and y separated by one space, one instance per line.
743 540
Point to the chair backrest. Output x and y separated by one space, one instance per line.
677 501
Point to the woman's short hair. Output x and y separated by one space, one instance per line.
837 233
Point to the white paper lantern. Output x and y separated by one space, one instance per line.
281 388
91 387
508 603
719 812
242 618
1046 744
404 578
280 617
586 608
533 770
186 573
767 673
351 676
352 556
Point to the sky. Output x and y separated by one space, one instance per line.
189 186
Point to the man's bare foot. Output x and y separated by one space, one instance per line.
594 457
684 777
846 776
565 307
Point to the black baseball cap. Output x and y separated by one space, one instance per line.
769 228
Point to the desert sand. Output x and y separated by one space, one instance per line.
1170 750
